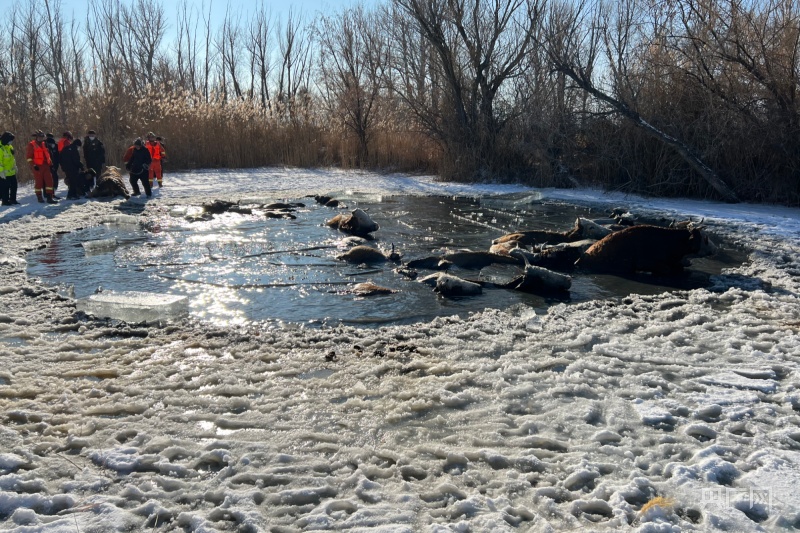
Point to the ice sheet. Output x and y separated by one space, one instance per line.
132 306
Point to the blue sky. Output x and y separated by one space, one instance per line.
279 8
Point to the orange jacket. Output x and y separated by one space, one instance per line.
128 154
156 150
38 154
63 142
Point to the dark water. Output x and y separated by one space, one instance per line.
238 268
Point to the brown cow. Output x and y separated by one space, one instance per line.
110 184
357 223
646 249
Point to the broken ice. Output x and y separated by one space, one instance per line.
99 246
135 307
120 219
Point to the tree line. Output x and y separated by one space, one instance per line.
675 98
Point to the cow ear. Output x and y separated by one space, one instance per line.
683 224
698 225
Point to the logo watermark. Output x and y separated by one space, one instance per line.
752 497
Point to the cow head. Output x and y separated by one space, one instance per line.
699 243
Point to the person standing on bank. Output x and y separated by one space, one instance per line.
38 157
73 169
8 170
157 153
137 161
52 147
94 153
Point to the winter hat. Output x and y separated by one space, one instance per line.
6 137
77 142
38 133
67 134
50 136
91 132
138 142
150 135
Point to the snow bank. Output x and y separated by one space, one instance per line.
576 419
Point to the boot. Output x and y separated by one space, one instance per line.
50 199
39 197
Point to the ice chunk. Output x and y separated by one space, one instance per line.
13 261
133 306
99 246
120 219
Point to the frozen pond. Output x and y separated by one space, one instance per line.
676 411
237 268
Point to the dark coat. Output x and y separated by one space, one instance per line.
140 161
71 159
52 147
94 152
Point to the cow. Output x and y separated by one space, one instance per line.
449 285
217 207
532 237
479 260
370 289
559 257
110 184
646 248
367 254
537 279
357 223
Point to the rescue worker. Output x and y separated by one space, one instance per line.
157 153
73 169
38 157
137 161
64 141
94 153
8 170
52 147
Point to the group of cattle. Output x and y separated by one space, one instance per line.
620 245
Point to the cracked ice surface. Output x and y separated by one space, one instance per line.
569 420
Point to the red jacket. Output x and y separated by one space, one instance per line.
38 154
156 150
63 142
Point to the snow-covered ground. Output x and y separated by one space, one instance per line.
565 421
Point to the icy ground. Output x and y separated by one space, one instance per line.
569 421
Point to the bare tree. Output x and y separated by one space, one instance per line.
77 59
228 49
412 76
745 57
186 46
353 58
30 52
295 66
258 45
479 46
107 43
146 25
53 56
577 35
207 57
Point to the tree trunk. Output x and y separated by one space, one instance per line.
683 150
